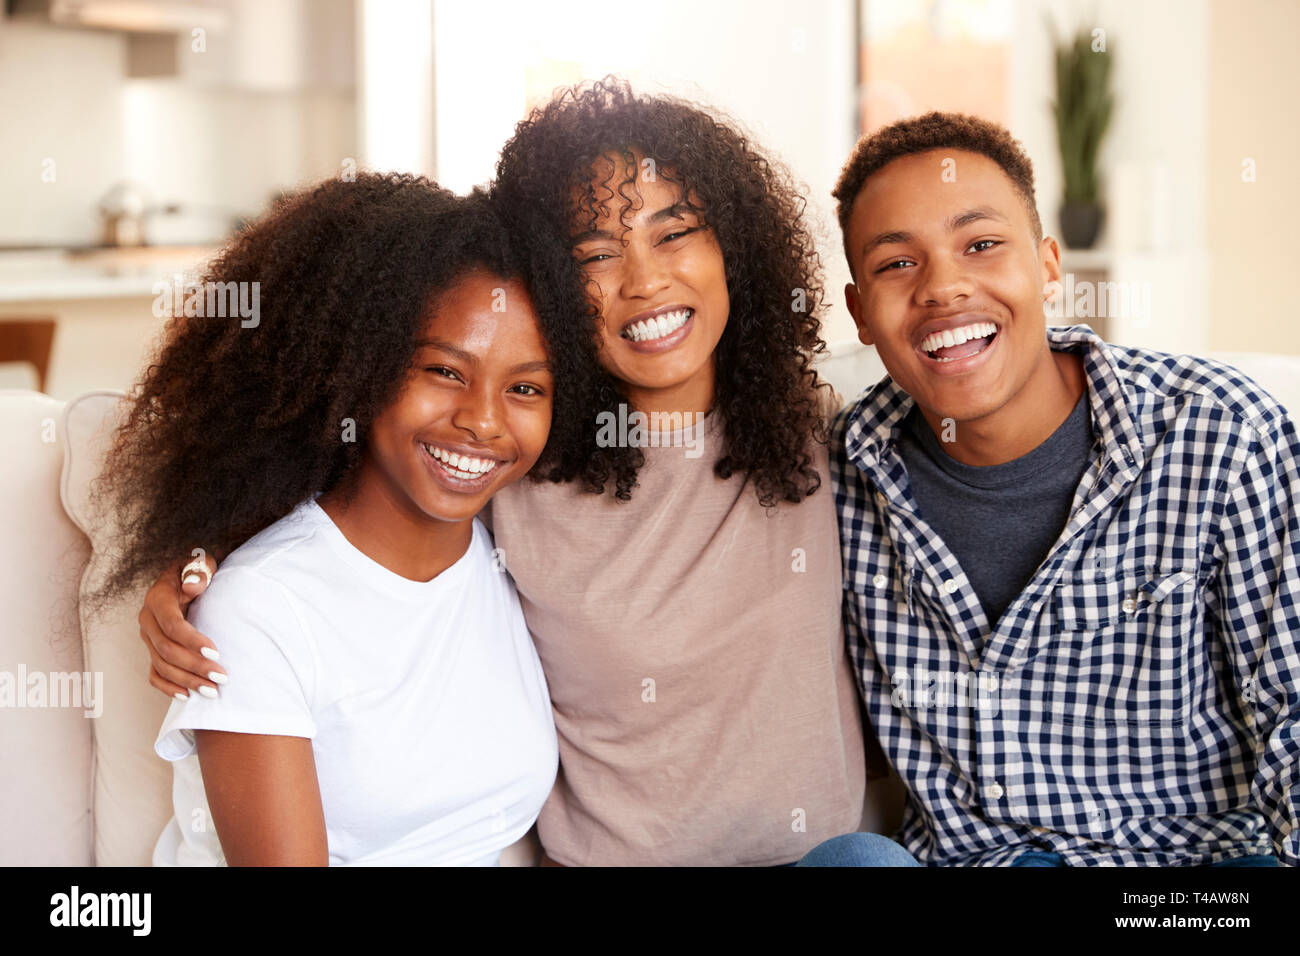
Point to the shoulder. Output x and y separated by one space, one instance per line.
298 531
861 417
840 423
252 590
1218 387
482 546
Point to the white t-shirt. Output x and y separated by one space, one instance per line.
425 702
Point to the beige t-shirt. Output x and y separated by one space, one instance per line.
692 641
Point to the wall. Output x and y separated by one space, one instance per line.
1154 159
61 91
219 151
1254 78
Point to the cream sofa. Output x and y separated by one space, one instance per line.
79 790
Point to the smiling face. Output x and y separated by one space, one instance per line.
950 283
475 410
660 286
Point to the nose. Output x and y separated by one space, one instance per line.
479 413
943 281
644 273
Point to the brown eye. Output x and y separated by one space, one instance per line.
889 266
679 233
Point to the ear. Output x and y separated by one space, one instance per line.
1049 255
859 315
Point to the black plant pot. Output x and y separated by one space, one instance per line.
1080 223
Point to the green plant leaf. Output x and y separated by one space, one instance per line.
1082 111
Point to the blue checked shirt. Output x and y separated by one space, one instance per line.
1138 702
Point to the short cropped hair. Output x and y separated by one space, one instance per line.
920 134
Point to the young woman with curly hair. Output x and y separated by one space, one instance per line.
680 569
687 613
341 444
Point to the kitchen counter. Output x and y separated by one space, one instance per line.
101 302
101 273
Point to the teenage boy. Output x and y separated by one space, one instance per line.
1071 583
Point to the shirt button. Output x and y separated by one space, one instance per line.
949 586
1129 605
995 791
879 581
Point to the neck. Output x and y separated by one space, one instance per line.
1024 422
694 395
387 527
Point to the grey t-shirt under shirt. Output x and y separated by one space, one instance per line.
999 520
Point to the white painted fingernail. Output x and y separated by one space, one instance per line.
217 677
207 691
179 696
191 579
210 653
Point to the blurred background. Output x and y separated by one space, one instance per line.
138 134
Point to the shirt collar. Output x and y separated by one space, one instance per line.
877 417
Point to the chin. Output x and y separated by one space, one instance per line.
968 411
656 378
451 509
450 515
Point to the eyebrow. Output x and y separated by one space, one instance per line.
677 210
954 223
468 359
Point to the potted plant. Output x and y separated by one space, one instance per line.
1082 109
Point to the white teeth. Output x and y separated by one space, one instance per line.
658 326
462 466
951 337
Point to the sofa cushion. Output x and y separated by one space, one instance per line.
132 785
45 751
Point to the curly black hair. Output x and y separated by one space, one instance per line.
766 388
231 427
920 134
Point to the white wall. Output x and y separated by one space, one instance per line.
61 95
1254 75
218 150
395 85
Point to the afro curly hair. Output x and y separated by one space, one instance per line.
766 389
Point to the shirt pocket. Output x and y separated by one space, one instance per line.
1120 651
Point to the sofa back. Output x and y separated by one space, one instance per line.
82 785
131 784
45 739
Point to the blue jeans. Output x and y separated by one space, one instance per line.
1044 858
858 849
